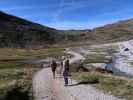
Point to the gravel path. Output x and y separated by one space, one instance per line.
87 92
47 88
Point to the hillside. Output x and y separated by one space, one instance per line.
119 31
17 32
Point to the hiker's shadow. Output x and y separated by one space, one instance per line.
83 83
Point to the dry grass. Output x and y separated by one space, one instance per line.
19 54
118 86
15 75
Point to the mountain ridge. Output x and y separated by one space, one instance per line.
18 32
14 29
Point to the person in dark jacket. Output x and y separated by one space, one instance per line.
53 67
66 71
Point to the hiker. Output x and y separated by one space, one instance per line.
66 72
53 67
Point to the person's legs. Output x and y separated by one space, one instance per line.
53 74
66 80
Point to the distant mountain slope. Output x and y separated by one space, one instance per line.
122 30
119 31
17 32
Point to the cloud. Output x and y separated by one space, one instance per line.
65 6
71 14
72 6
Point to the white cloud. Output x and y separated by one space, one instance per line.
68 6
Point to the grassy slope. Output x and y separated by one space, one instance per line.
20 54
14 74
119 31
117 86
23 33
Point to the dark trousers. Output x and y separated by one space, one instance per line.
53 74
66 80
65 74
53 71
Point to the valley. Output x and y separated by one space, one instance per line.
26 50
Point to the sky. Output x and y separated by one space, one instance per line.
70 14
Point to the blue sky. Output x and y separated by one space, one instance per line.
70 14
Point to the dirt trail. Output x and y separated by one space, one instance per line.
47 88
76 56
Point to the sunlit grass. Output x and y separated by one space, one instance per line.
20 54
12 70
120 87
14 75
96 58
